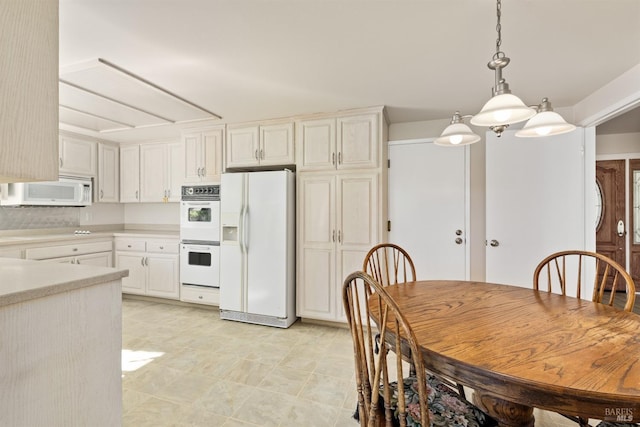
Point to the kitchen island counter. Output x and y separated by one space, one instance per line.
61 346
23 280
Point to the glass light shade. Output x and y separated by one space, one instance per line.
543 124
457 134
501 110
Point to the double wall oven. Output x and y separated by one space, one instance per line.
200 243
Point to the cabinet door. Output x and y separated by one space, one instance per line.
242 147
135 282
357 223
316 247
102 259
212 141
130 174
357 142
77 157
176 171
276 144
162 276
11 253
316 141
153 172
192 156
108 173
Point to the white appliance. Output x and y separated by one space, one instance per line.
200 243
200 213
257 247
67 191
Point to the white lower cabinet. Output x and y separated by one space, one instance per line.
89 253
153 266
339 220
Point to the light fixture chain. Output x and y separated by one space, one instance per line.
498 25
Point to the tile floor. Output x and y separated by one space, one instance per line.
183 366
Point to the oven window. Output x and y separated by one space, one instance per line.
199 214
200 258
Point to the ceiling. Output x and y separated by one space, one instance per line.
424 59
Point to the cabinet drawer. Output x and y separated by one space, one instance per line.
68 250
163 246
136 245
200 295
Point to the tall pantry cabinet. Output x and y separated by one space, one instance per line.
342 212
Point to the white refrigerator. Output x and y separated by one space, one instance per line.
257 247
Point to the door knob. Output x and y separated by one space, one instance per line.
458 232
458 240
494 243
621 228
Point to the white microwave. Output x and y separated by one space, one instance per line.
67 191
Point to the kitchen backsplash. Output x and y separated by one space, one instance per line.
23 218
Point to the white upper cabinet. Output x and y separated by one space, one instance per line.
151 172
29 91
260 145
78 157
130 173
108 173
346 142
161 172
203 155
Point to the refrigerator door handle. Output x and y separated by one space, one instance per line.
245 229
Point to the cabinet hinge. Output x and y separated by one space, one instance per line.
388 163
389 225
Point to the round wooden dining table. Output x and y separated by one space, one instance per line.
519 348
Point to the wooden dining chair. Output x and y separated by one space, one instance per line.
421 399
389 264
563 268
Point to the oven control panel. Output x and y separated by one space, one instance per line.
201 192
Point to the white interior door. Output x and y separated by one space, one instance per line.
535 202
428 207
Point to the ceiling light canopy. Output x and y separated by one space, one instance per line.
504 108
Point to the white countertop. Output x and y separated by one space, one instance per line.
23 280
54 236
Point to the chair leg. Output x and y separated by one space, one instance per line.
461 391
584 422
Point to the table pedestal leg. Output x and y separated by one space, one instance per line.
508 414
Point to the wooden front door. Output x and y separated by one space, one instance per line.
610 178
634 220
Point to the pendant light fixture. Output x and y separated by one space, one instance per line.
546 122
504 108
457 133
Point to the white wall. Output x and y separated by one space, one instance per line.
102 214
152 214
620 143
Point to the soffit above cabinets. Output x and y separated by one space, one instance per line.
103 97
